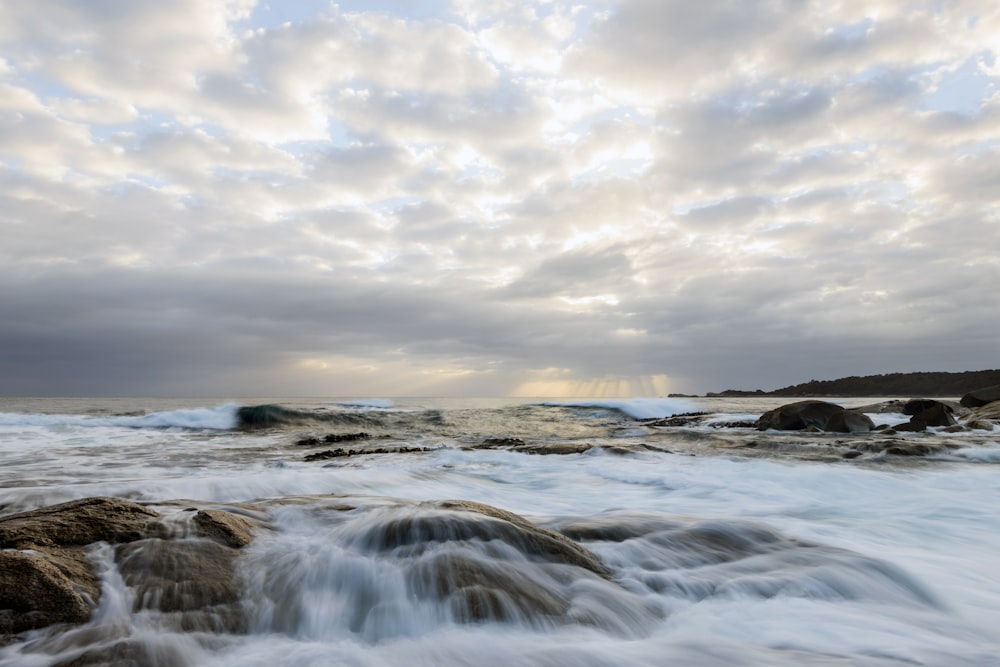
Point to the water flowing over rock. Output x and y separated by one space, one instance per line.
182 564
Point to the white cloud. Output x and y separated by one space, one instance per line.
439 200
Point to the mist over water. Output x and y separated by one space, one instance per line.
647 547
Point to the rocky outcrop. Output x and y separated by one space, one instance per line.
799 416
980 397
985 413
48 576
849 421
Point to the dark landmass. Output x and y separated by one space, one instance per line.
939 384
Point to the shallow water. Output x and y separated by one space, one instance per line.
721 546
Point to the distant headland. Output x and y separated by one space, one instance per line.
938 384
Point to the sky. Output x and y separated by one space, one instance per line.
494 197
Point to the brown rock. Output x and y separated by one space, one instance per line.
979 397
77 523
984 412
224 527
35 593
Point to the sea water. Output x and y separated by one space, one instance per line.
723 546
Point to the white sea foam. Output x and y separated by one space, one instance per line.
931 527
367 403
222 417
637 408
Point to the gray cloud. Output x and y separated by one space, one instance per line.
468 199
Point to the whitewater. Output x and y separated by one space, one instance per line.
694 545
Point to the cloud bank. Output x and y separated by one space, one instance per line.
488 198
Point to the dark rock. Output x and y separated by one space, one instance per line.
559 448
340 452
683 419
915 406
849 421
912 449
331 438
937 414
979 397
495 443
853 454
310 441
798 416
915 425
957 428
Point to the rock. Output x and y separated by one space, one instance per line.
885 407
917 405
957 428
35 593
937 414
224 527
990 411
849 421
979 397
853 454
979 425
495 443
913 426
340 452
530 538
560 448
345 437
46 576
913 449
798 416
77 523
191 582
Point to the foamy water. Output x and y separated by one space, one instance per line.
716 556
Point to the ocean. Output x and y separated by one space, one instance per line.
715 544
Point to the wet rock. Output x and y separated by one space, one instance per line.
558 448
77 523
980 397
341 453
500 443
191 582
853 454
480 590
798 416
224 527
957 428
849 421
531 538
683 419
990 411
913 449
331 438
935 414
979 425
46 576
35 593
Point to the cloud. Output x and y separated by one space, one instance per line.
488 196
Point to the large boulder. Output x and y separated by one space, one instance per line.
849 421
798 416
988 412
47 575
979 397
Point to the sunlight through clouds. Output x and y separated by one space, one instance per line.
461 193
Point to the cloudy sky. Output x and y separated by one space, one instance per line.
493 197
